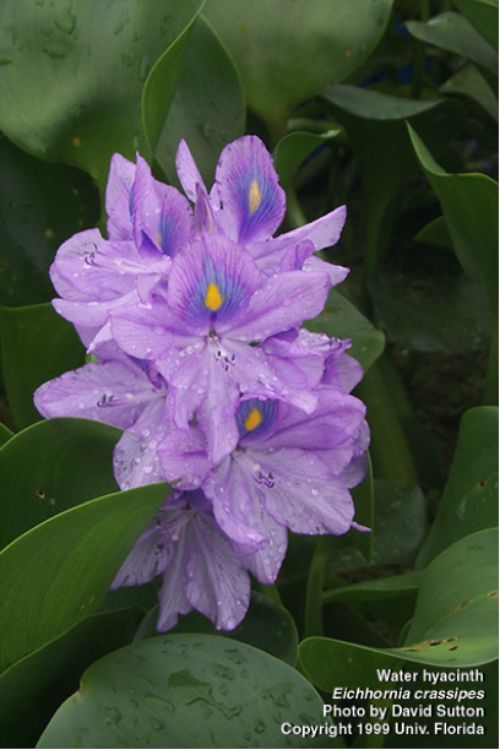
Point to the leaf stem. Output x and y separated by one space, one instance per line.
313 616
389 449
419 55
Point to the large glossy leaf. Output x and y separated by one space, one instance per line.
185 690
470 499
453 32
160 85
469 203
376 127
73 72
288 52
40 206
343 320
469 82
36 345
36 685
463 612
483 15
208 106
56 574
454 625
267 626
50 467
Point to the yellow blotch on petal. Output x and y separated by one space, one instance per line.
253 420
254 197
213 297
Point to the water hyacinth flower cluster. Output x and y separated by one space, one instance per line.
193 311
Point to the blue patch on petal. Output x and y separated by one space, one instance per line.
131 199
232 292
211 282
256 416
257 202
166 232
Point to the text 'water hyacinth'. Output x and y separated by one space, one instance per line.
193 312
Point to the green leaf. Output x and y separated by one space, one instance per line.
267 626
376 589
90 60
468 81
483 15
160 86
70 461
185 691
36 685
409 312
389 449
454 33
343 320
470 499
40 206
469 203
37 345
375 106
375 124
5 434
457 603
435 233
294 148
288 52
400 522
454 623
208 107
57 573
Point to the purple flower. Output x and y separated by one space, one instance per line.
304 359
123 394
201 568
289 469
195 316
317 350
148 223
247 204
202 332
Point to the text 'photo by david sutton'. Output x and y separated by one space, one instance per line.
249 374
